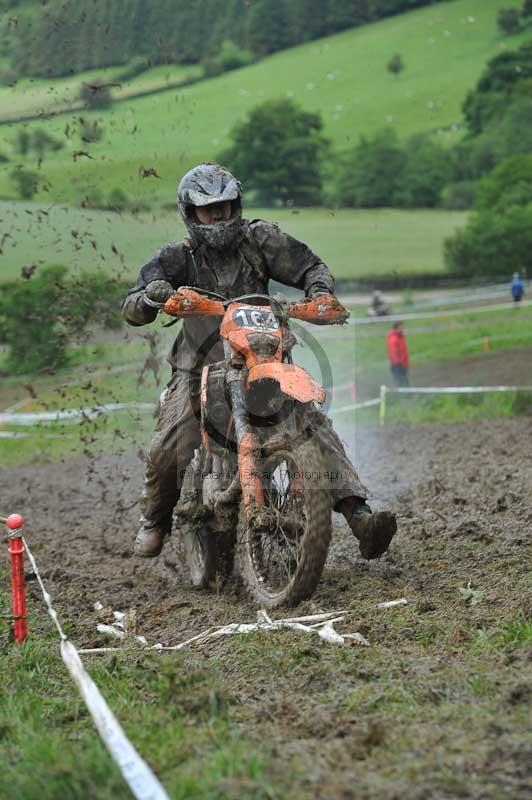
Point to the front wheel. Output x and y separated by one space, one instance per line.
281 563
206 548
208 554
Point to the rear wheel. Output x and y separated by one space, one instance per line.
281 562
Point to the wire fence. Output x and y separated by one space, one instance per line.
385 390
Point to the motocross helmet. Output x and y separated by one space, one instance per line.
205 184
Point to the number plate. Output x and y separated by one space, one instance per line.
258 318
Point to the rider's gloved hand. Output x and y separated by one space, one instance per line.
159 291
317 291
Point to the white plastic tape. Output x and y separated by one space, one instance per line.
457 389
70 414
139 777
356 406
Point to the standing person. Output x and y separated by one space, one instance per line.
227 254
517 288
398 355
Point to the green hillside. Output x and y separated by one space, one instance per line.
444 47
386 240
29 96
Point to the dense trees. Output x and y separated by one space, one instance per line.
68 36
509 20
382 171
495 161
39 316
499 234
278 153
32 326
230 57
498 117
503 78
369 176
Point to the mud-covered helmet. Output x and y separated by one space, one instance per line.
205 184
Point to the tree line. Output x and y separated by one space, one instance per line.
65 37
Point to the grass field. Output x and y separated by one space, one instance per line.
353 243
444 47
193 727
44 757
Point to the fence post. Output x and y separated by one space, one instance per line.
382 406
15 523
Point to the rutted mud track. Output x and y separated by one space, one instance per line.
464 497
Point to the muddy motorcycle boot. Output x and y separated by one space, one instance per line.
374 531
149 541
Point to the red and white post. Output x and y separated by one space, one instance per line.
15 524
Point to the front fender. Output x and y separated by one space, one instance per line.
292 379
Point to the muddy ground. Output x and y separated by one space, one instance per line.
437 706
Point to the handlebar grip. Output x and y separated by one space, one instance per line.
186 302
322 310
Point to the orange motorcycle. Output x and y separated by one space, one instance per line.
254 486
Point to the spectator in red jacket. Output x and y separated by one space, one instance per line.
398 354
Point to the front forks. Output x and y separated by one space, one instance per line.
248 448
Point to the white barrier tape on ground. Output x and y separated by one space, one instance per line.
356 406
139 777
41 435
441 314
47 599
322 625
341 387
137 774
71 414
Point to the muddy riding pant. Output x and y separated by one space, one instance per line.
177 435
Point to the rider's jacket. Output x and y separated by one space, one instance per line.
262 252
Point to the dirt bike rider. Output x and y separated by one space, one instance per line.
231 256
378 307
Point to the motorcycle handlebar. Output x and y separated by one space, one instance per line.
321 310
